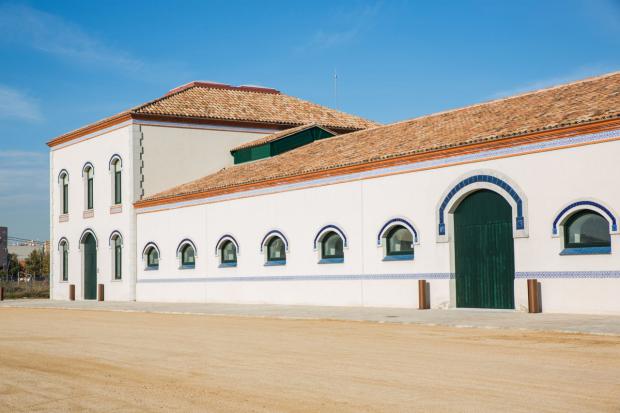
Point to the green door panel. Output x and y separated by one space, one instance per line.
90 268
484 252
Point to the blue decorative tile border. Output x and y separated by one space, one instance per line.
614 223
395 221
369 277
520 222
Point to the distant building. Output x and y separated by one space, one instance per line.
4 253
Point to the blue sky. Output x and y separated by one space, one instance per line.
66 64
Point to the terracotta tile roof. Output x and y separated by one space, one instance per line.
250 104
216 102
585 101
278 135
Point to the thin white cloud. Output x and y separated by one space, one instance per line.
579 74
15 104
51 34
345 27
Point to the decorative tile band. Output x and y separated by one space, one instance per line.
614 224
369 277
520 223
479 156
568 274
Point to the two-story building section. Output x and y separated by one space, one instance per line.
97 172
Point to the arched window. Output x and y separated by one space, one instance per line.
332 246
64 190
228 252
64 260
399 241
587 230
117 256
276 250
116 180
188 256
89 175
152 258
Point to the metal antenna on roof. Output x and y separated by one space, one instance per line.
335 90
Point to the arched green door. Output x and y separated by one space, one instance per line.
90 267
484 252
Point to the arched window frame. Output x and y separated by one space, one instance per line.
385 231
564 215
186 243
320 238
221 243
63 186
63 248
116 168
150 246
266 243
88 175
116 252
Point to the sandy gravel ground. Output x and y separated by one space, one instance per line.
71 360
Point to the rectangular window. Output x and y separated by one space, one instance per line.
90 194
65 198
117 187
117 263
65 266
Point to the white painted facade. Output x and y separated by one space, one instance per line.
151 155
546 176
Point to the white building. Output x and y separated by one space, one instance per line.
476 201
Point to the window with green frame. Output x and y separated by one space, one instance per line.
399 241
152 258
586 230
228 253
64 250
188 256
118 257
117 182
90 188
276 250
64 183
332 246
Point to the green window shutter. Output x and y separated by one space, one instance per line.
117 187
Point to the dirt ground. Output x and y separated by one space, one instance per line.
70 360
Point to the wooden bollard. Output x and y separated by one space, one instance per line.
100 295
1 293
533 297
72 292
423 302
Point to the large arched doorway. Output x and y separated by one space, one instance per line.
90 266
484 251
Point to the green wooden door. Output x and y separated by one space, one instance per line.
484 252
90 268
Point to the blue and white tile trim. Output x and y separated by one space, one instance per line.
612 218
397 221
568 274
479 156
370 277
520 221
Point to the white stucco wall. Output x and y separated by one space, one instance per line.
72 158
548 181
172 156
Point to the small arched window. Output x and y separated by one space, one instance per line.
188 256
276 250
332 246
117 256
64 260
229 253
399 242
64 190
586 230
152 258
89 175
116 180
